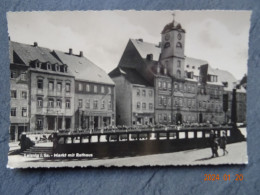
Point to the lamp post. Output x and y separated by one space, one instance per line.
57 122
234 108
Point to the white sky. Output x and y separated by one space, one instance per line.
219 37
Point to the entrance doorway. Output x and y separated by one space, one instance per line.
200 118
51 122
21 129
59 123
12 133
106 121
139 121
151 120
95 122
87 122
67 123
178 118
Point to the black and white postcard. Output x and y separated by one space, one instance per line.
128 88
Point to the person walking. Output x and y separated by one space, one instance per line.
223 143
214 144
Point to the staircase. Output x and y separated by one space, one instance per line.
41 151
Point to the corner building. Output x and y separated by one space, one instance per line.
49 86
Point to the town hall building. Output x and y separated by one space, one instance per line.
186 90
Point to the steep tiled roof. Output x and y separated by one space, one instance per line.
171 26
28 53
130 74
84 69
145 48
225 76
193 65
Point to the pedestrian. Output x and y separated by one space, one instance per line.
223 143
214 144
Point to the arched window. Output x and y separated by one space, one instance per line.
167 44
179 64
178 74
179 45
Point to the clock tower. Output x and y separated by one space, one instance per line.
172 49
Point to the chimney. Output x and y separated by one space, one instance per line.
70 51
35 44
81 54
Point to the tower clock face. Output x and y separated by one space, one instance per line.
179 36
167 37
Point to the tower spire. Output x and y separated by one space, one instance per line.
173 16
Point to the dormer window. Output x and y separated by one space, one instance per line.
188 66
193 67
38 65
48 66
212 78
57 68
65 69
225 84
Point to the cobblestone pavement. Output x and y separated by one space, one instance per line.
237 155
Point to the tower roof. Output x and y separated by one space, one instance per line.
172 26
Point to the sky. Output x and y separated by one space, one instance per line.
219 37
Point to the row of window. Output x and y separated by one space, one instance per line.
164 101
164 118
185 87
138 92
23 113
103 104
178 64
144 105
189 118
14 94
193 67
186 102
94 88
211 105
48 66
177 86
52 103
164 85
212 78
167 44
14 74
40 85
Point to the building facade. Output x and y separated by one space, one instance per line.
53 91
47 92
134 98
51 99
19 104
94 93
186 90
